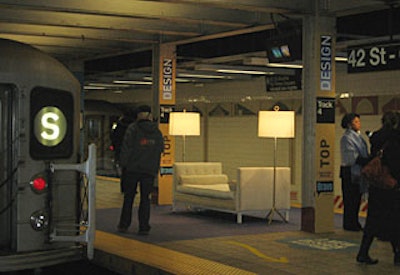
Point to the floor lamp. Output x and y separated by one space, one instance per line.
275 124
184 124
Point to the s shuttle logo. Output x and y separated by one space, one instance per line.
50 126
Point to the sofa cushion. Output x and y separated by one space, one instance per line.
219 191
203 179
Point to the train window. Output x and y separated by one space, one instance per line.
94 128
51 114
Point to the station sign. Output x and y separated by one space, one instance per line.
373 58
279 83
325 110
324 187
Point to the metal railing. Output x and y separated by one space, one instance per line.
88 234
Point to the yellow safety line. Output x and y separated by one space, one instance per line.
336 210
108 178
259 253
173 262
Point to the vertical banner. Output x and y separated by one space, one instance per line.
166 91
325 137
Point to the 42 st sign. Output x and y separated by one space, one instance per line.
373 58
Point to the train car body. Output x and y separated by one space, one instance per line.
39 125
100 116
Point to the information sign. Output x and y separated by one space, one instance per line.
373 58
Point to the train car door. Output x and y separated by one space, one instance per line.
94 134
7 164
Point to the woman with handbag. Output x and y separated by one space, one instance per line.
383 217
354 154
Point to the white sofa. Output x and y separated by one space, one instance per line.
202 185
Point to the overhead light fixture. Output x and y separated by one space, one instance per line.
182 80
285 65
86 87
177 79
341 59
231 71
108 85
133 82
250 70
345 95
194 75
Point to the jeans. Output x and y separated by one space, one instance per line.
130 183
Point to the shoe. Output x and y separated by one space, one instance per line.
354 229
144 231
122 229
366 260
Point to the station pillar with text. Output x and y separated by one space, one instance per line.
319 38
164 87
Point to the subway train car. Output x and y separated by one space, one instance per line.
39 127
100 116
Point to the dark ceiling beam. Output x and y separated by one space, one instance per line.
266 6
78 33
101 22
176 12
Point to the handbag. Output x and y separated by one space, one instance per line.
378 174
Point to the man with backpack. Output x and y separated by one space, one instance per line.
117 136
140 159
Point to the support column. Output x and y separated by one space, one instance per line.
319 37
164 90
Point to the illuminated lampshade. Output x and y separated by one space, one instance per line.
276 124
184 124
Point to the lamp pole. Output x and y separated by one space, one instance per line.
274 210
184 148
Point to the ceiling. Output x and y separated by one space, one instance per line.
114 39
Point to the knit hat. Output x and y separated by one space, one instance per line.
143 109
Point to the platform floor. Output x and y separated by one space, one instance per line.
267 249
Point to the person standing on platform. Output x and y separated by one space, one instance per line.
354 155
383 217
117 136
140 157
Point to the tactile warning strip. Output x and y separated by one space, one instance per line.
164 259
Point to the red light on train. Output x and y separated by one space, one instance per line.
38 184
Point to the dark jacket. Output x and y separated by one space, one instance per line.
383 219
142 147
117 135
391 155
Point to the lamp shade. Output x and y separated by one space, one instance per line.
184 124
276 124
